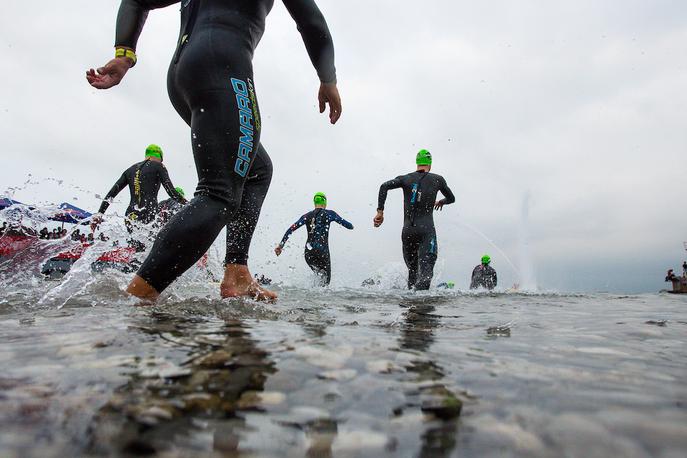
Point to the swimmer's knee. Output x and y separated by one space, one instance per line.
222 205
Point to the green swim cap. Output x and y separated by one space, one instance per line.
180 191
423 157
154 151
486 259
320 198
450 284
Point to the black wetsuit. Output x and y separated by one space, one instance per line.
210 84
144 180
168 208
483 276
317 247
418 236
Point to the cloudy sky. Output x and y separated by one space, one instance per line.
559 125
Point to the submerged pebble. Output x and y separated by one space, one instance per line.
383 367
334 358
341 375
356 440
662 323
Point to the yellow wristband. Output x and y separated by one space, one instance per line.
126 52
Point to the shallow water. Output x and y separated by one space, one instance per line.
339 372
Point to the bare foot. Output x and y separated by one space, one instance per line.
238 282
141 289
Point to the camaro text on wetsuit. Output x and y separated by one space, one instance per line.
246 120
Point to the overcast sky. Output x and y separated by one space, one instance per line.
572 113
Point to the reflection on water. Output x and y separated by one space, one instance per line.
433 397
222 376
353 373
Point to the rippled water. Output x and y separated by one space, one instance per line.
339 372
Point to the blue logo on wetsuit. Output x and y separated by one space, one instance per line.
243 101
414 191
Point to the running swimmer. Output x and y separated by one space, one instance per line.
446 285
170 207
483 275
317 247
418 237
210 83
144 180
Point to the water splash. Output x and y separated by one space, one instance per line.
491 242
528 279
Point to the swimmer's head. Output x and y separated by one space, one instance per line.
180 191
486 259
154 151
320 199
423 157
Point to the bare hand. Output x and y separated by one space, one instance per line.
329 94
439 205
278 250
110 75
378 219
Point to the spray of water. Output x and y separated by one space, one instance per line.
491 242
528 279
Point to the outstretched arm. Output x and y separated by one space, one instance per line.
320 46
384 188
169 187
473 279
449 198
338 219
112 193
318 41
130 20
381 200
116 189
301 221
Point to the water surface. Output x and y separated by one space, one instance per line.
339 372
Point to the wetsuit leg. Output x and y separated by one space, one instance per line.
217 90
240 229
410 246
427 257
320 263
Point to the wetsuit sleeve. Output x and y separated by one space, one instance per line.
112 193
474 278
169 187
384 188
449 198
131 18
338 219
293 227
318 41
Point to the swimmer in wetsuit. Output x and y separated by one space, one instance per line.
210 84
483 275
144 180
418 237
169 207
317 247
